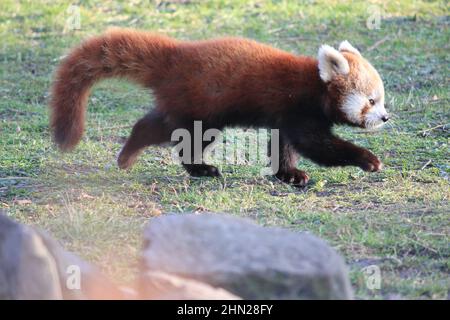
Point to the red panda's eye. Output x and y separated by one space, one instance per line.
372 102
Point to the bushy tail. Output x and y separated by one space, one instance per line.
139 56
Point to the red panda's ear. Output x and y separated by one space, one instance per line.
346 46
331 63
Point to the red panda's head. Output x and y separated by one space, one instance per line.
354 86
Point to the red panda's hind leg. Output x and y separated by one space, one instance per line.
200 169
287 171
293 176
149 130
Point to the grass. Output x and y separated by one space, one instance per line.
397 220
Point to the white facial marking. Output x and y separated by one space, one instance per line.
359 106
352 107
354 104
374 117
331 63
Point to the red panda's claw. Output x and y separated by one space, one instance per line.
371 163
295 177
377 167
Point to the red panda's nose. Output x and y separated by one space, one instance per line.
385 118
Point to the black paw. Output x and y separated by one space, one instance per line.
202 170
369 162
295 177
126 160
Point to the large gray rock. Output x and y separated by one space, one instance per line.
248 260
158 285
34 266
27 268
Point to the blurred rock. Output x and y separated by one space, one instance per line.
251 261
27 268
92 285
161 286
34 266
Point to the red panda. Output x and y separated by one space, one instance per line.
227 82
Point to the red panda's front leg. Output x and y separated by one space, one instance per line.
329 150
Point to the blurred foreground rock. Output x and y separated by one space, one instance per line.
185 256
27 268
162 286
34 266
250 261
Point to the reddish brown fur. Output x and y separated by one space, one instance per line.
120 53
187 77
224 82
